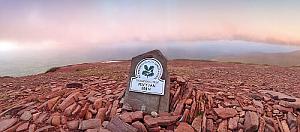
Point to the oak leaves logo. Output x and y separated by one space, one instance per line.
148 71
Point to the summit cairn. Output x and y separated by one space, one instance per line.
148 88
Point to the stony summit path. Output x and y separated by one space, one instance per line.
205 96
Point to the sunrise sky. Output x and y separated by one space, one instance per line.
41 24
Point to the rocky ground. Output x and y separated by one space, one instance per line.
205 96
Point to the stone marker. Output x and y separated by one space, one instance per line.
148 88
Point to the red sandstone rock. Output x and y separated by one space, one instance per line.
42 117
185 115
167 120
73 125
76 110
63 120
46 129
98 103
23 127
101 114
149 121
189 102
251 121
69 100
26 116
52 102
222 126
114 108
179 108
139 126
55 120
88 115
126 117
184 127
209 125
197 123
137 115
84 110
233 123
31 128
225 113
117 125
68 111
90 124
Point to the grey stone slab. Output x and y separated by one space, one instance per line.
149 102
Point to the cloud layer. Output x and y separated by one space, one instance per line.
59 23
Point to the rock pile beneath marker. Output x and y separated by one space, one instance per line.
97 107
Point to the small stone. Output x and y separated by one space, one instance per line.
69 100
139 126
241 120
6 123
31 128
52 102
231 97
127 107
285 126
90 124
149 121
26 116
249 108
46 129
154 114
73 125
114 108
105 123
258 103
108 92
88 115
137 115
225 113
74 85
68 111
242 113
84 110
197 123
55 120
76 110
154 129
179 108
209 125
251 121
276 111
167 120
23 127
35 116
189 102
98 103
117 125
184 127
126 117
41 118
101 114
292 121
233 123
222 126
63 120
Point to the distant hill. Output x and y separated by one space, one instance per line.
280 59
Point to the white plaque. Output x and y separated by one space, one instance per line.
147 78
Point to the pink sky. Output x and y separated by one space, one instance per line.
47 24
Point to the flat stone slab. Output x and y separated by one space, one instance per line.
278 95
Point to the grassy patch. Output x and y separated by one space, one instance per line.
53 69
